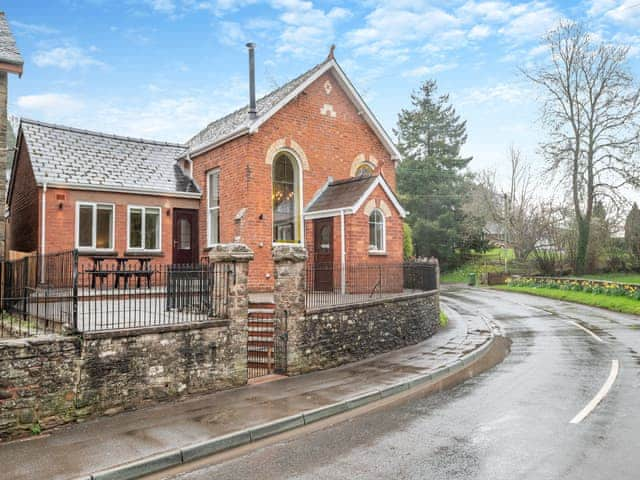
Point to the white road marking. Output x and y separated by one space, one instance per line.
586 330
615 367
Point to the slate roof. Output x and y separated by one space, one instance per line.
70 156
341 194
239 120
8 51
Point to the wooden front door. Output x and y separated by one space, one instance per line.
323 254
185 236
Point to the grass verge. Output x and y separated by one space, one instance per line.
617 304
444 320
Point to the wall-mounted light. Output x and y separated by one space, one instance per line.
261 216
60 205
168 212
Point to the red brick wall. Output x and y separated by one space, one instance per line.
60 222
23 224
331 144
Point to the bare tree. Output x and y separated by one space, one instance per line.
525 216
591 111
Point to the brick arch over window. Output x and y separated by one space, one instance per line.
292 147
361 159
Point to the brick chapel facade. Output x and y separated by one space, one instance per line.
308 164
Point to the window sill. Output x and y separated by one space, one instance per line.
97 253
377 253
146 253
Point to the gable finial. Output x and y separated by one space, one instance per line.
331 50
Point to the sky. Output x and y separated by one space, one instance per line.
163 69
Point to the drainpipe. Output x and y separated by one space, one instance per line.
43 231
343 254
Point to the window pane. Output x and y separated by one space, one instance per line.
185 234
85 226
152 229
214 227
135 228
104 226
214 189
364 171
376 231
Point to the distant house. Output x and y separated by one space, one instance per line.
308 164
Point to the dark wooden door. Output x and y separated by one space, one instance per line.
185 236
323 254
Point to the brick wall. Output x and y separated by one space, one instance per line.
60 223
23 223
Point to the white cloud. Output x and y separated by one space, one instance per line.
32 28
478 32
501 92
162 6
59 102
66 58
232 34
429 70
306 29
531 24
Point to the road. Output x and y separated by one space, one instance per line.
513 421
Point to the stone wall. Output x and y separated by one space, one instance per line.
37 383
333 336
49 381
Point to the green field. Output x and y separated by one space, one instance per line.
490 261
618 304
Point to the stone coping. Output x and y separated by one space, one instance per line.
134 332
36 340
370 303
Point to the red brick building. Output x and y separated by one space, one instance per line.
307 164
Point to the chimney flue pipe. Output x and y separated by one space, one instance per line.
252 80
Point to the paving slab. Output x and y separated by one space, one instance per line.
104 444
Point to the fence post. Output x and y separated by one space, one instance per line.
74 293
289 296
240 256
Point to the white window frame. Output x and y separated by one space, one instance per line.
384 232
144 209
94 226
210 173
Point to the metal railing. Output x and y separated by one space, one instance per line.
37 294
57 293
328 284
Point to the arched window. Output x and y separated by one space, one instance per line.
364 170
286 214
376 231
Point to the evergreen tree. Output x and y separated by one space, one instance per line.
430 177
632 233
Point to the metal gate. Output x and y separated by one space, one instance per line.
267 345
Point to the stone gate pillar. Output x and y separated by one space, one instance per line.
289 296
237 257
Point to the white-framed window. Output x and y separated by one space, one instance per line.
144 228
376 231
364 170
213 207
94 226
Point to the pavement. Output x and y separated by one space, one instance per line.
515 421
130 444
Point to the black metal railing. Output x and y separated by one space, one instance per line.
37 294
60 293
327 284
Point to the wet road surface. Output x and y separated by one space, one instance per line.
510 422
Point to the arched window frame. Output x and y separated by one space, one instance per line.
373 247
298 192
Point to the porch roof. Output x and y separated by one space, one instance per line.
348 195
